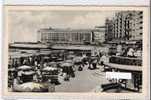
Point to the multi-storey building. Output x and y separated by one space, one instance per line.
66 36
137 25
121 25
126 25
108 30
99 34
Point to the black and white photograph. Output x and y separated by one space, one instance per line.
75 51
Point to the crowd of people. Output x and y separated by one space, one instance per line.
46 68
42 65
129 51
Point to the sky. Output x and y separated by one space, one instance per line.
25 24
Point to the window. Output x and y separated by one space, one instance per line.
140 33
141 22
140 27
140 12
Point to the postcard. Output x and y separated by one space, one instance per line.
81 52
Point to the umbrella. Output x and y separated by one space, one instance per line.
51 63
44 53
66 64
78 59
54 64
36 54
69 61
49 69
15 54
24 67
71 56
71 52
60 59
93 57
11 69
30 87
29 73
46 58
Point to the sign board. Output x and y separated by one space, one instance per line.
118 75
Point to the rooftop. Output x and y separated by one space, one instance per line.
28 45
68 30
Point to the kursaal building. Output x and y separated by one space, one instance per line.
71 36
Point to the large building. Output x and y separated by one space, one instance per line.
126 25
70 36
137 25
108 30
65 36
99 34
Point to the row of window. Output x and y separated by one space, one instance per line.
65 37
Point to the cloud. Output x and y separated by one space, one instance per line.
25 24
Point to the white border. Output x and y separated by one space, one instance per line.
97 96
77 2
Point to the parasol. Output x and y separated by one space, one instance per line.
60 59
46 57
24 67
70 56
11 69
69 61
51 63
66 64
29 73
71 52
30 87
49 69
53 57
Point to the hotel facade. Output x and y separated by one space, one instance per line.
70 36
125 25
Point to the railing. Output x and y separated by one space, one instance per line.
125 60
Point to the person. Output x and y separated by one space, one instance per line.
16 64
71 72
35 63
51 86
84 60
104 59
25 62
20 75
138 53
130 52
125 52
21 60
119 50
35 78
66 77
89 62
30 60
100 54
10 79
94 63
39 75
80 68
45 64
16 82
